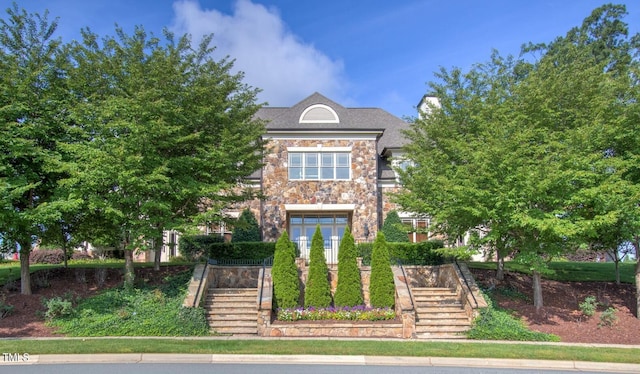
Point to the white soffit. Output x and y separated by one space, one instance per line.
318 207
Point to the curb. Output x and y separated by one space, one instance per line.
148 358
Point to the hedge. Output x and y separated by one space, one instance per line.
213 246
421 253
197 247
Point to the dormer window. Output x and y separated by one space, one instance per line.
319 113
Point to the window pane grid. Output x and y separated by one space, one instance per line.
319 166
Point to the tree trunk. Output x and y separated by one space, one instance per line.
129 272
25 275
617 271
500 267
64 251
157 248
537 291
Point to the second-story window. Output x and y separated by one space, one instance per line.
319 166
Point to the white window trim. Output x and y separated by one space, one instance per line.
320 207
319 151
319 148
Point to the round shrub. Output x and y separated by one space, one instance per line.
284 272
317 291
382 289
393 229
349 290
46 256
247 228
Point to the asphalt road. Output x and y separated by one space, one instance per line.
192 368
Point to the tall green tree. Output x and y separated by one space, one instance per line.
286 281
583 91
525 152
170 135
246 228
393 228
317 290
34 121
382 289
464 151
349 289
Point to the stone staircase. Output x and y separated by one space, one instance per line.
232 311
439 314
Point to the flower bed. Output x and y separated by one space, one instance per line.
356 313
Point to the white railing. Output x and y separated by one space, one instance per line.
331 247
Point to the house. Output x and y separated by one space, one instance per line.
328 165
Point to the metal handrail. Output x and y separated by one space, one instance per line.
238 262
404 275
204 269
466 283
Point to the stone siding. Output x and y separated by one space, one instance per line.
361 190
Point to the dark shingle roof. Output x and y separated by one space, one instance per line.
358 119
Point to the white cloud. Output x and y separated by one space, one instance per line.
271 56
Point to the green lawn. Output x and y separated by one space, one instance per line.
324 347
574 271
566 271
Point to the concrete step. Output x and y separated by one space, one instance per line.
235 330
449 309
441 329
232 311
439 314
221 291
443 323
225 309
235 317
443 317
250 303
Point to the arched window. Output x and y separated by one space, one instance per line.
319 113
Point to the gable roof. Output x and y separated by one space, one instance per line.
350 119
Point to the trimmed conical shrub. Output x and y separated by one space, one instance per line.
317 291
349 290
393 228
382 290
247 228
286 282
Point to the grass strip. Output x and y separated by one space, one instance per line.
323 347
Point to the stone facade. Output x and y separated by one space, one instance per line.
360 191
370 136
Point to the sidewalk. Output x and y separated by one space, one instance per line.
147 358
15 359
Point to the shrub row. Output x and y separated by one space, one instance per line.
198 247
54 256
423 253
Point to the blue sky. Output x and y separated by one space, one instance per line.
359 53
